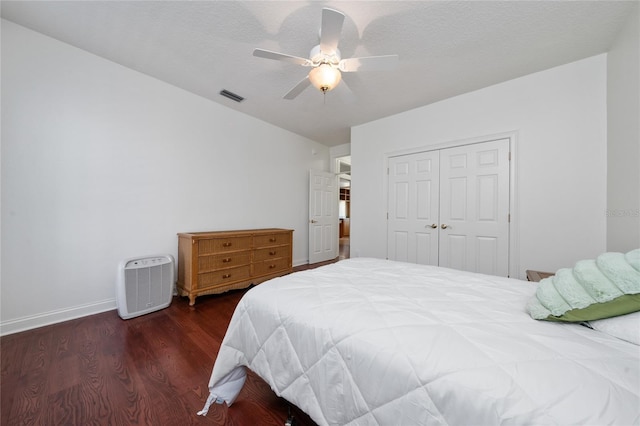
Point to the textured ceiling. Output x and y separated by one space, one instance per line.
445 48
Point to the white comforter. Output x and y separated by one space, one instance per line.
366 342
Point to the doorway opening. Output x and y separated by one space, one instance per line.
343 170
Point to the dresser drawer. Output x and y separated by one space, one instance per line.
224 260
271 253
271 266
209 279
267 240
221 245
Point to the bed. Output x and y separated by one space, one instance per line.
377 342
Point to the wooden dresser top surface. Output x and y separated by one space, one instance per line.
240 232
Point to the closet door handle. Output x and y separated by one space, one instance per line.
433 226
444 226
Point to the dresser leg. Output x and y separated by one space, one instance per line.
192 299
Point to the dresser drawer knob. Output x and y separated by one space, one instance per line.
226 244
226 276
227 260
272 253
272 266
272 240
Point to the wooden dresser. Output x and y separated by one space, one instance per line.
215 262
536 276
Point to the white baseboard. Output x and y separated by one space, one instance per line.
53 317
299 262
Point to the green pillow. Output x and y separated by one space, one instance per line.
625 304
606 287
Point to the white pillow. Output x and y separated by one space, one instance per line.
625 327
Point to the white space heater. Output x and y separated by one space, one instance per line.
145 284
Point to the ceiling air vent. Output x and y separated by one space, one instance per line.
231 95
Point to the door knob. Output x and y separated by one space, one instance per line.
444 226
313 221
433 226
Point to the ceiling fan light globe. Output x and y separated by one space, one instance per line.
325 77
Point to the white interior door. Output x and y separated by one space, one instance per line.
474 207
413 208
450 207
323 216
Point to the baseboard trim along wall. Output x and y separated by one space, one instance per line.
53 317
40 320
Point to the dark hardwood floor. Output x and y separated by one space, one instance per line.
149 370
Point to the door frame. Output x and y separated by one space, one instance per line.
514 233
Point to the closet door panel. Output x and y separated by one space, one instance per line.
413 208
475 207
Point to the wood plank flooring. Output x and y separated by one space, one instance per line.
149 370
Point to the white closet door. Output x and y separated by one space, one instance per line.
413 208
474 207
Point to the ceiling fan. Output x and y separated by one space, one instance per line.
325 60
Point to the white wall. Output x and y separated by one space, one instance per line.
560 119
623 153
101 163
336 152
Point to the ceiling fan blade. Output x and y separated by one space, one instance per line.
303 84
268 54
332 21
368 63
345 93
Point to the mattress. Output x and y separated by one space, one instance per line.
377 342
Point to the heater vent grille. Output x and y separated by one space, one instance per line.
231 95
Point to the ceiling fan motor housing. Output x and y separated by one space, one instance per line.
318 57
